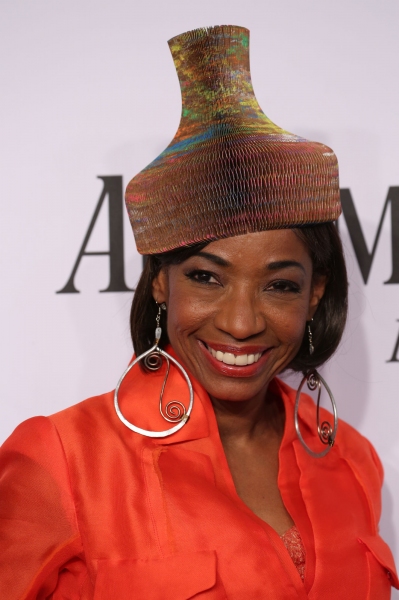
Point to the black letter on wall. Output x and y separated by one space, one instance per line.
394 357
113 189
364 257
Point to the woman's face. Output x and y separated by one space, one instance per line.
237 310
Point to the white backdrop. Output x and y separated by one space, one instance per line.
89 89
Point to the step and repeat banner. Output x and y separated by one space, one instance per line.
90 96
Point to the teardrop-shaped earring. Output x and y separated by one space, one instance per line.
175 411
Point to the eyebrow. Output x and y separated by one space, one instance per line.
218 260
273 266
284 264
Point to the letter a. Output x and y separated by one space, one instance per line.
113 189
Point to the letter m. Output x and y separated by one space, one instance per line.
363 255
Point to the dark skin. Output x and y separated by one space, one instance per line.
250 294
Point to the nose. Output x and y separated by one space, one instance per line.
240 315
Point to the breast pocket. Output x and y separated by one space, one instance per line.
381 568
178 577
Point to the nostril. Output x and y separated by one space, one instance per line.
240 321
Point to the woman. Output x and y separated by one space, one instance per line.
236 488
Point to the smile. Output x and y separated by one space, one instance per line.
240 360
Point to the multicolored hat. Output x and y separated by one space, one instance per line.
229 170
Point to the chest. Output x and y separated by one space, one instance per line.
254 469
172 517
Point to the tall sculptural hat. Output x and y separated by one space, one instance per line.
229 170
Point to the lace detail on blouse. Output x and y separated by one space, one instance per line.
293 542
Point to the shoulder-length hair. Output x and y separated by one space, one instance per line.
325 249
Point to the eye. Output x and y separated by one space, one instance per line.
284 286
205 277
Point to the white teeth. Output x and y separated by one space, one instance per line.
229 358
241 360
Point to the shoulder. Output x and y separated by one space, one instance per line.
352 462
350 444
358 449
36 437
93 412
42 439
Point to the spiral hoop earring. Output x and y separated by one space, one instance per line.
175 411
325 431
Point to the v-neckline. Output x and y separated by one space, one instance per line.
272 534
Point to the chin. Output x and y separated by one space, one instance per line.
234 391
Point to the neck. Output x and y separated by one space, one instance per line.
249 419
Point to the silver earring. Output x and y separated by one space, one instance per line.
310 337
325 431
175 411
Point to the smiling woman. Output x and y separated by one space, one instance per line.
203 475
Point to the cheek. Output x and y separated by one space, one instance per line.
185 315
288 324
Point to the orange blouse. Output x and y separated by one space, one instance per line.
91 510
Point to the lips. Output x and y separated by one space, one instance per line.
220 357
230 358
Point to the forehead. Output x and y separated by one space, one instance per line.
263 246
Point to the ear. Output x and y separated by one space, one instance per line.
160 288
316 293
